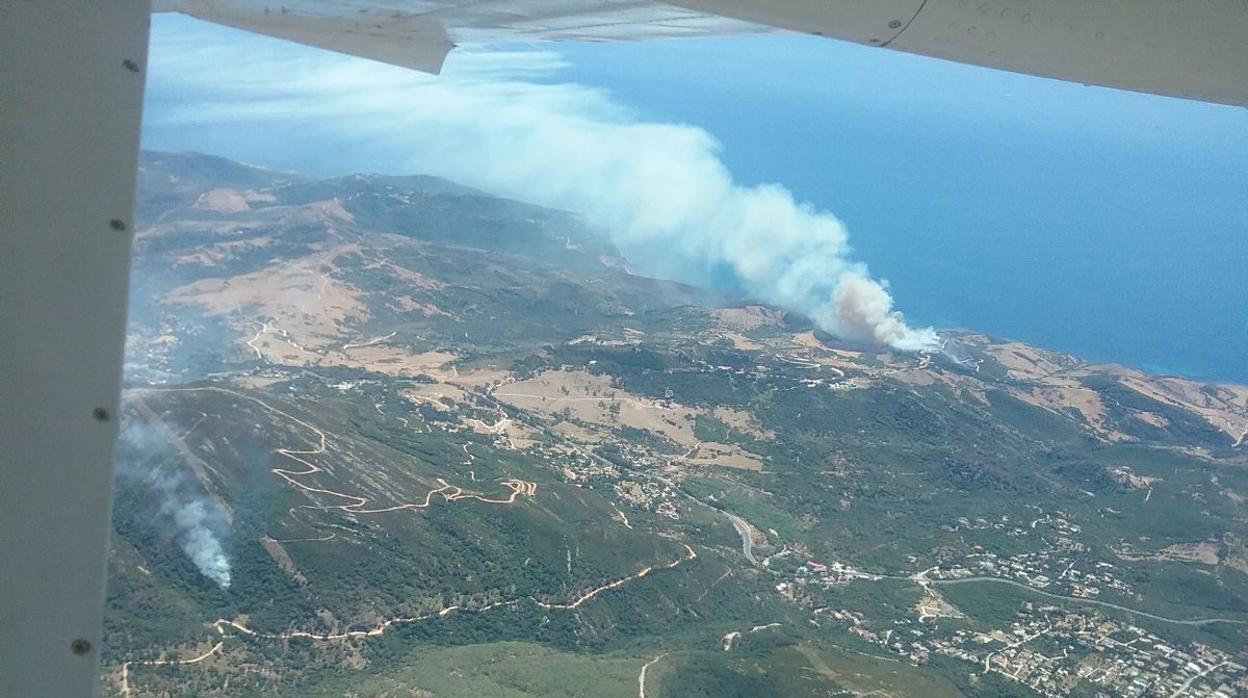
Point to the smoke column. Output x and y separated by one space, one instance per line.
146 462
198 540
500 122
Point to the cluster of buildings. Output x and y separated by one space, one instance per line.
1049 649
649 495
818 573
1062 567
1052 651
1049 570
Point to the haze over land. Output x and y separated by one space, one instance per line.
618 408
1003 203
658 191
455 446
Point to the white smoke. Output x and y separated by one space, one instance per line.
198 541
864 311
147 462
660 189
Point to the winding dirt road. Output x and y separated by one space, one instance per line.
641 677
125 668
360 505
357 504
691 555
223 626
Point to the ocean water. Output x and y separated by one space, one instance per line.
1106 224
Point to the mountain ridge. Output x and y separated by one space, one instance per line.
431 424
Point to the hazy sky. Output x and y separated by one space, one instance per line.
1105 223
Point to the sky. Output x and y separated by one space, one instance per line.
800 170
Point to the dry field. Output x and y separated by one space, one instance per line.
598 408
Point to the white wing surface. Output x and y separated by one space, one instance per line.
1197 50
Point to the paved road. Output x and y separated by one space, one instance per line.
747 541
1094 602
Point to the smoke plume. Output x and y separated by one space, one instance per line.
195 534
500 122
148 466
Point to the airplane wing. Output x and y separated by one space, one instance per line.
71 84
1193 50
419 33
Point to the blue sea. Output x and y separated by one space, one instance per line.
1106 224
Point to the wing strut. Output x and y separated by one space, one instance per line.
71 93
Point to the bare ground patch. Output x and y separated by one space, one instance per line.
597 409
282 558
591 398
751 317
